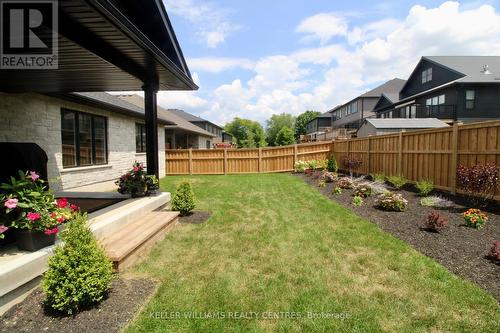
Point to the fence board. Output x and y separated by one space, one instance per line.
426 154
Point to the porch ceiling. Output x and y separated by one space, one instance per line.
100 49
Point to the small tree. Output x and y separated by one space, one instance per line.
331 164
183 199
478 182
79 273
351 163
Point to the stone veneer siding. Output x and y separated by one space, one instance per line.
37 118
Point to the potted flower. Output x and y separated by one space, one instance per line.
137 183
33 211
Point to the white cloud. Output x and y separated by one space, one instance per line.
322 77
323 26
212 22
216 65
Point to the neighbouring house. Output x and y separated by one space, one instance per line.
317 127
464 88
351 114
377 126
220 135
180 134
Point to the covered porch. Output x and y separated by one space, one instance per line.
103 45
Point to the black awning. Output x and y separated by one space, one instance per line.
108 45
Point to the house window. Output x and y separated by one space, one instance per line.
208 144
140 138
84 139
470 98
436 100
427 75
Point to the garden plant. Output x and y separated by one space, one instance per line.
79 273
424 187
137 182
183 199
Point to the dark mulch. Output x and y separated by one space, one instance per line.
196 217
461 249
111 315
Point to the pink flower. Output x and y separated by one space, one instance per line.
74 208
33 216
3 228
33 175
62 203
60 219
11 203
136 168
53 215
51 231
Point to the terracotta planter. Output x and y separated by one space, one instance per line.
30 240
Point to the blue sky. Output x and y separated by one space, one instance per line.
255 58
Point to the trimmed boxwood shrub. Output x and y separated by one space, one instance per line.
79 273
183 199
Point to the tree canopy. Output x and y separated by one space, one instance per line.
248 133
302 120
275 124
285 136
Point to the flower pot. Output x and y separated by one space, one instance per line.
30 240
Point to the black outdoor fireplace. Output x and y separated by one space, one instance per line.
22 156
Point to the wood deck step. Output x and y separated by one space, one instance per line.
136 239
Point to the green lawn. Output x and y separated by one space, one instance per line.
277 247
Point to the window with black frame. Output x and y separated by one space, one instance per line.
140 138
470 99
84 139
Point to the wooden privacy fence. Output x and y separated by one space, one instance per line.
252 160
426 154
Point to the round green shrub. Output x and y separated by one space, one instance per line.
79 273
183 199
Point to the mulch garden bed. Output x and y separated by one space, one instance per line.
460 248
196 217
111 315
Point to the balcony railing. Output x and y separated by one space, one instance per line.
443 111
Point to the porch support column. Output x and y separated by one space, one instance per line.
150 89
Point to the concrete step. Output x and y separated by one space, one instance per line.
108 221
135 240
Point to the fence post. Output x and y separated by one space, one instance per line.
260 160
454 158
225 161
368 164
190 161
400 153
295 155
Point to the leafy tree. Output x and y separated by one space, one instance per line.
285 136
246 132
275 124
302 120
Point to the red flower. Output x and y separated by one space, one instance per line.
53 215
74 208
60 219
33 216
62 203
51 231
